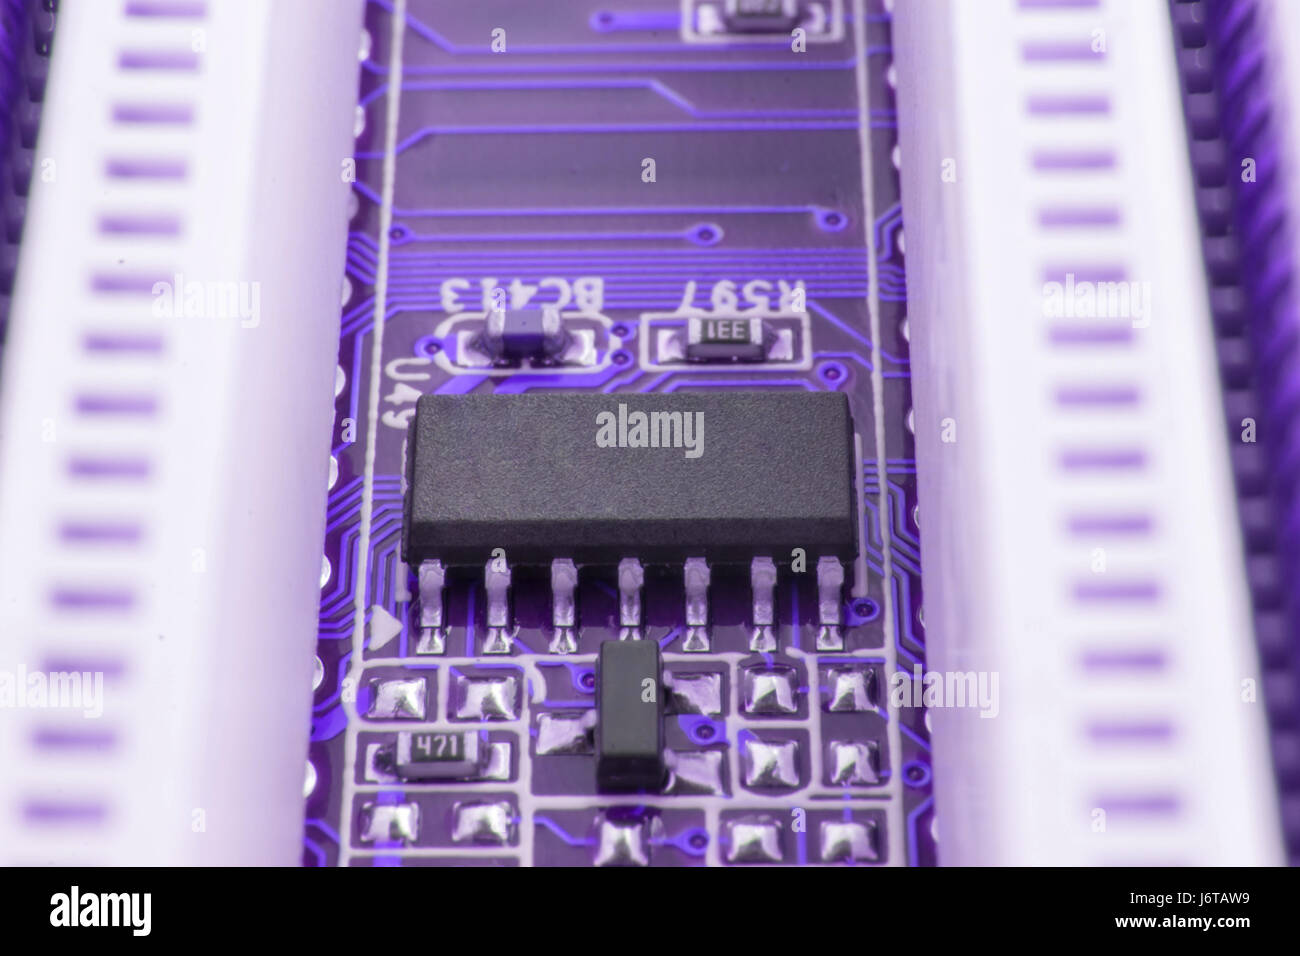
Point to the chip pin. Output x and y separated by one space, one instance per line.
631 578
830 582
762 581
433 633
496 581
564 614
697 605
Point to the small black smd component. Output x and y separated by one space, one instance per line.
760 16
630 717
721 475
726 338
438 756
516 335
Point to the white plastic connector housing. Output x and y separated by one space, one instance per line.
1077 507
163 476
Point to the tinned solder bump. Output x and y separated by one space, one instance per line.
830 584
496 581
564 614
697 578
762 581
433 632
631 578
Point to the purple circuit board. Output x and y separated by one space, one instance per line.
630 165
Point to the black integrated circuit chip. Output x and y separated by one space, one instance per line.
662 477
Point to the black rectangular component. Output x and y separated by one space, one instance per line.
735 338
761 15
722 475
630 712
438 756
